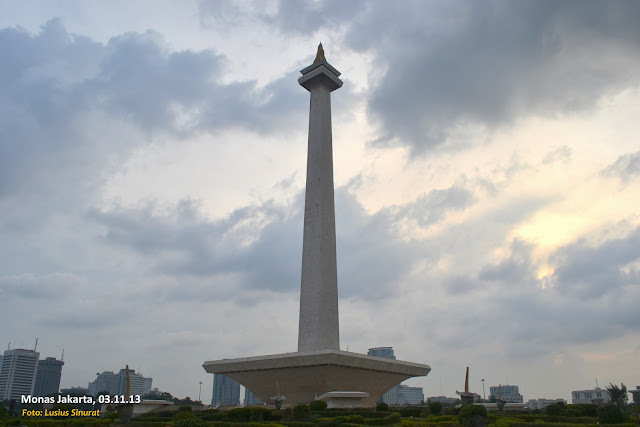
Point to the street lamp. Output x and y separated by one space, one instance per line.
200 392
484 396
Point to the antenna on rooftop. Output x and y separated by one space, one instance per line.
36 346
597 383
62 358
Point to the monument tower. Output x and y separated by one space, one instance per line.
319 368
318 326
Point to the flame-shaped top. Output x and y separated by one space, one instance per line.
127 390
466 381
320 55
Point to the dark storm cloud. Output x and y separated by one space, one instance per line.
626 167
501 62
452 64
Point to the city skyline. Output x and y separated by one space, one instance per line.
486 169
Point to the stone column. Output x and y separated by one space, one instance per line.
318 328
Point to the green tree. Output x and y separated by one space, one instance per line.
301 412
318 405
553 409
382 407
435 408
611 414
473 416
618 395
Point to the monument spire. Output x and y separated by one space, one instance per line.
319 369
318 324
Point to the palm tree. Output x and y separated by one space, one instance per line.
618 395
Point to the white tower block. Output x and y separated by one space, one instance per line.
318 328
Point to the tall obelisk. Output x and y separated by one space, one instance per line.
319 367
318 327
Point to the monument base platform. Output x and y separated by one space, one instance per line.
303 376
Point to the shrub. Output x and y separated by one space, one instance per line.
183 415
611 414
388 420
190 422
584 409
452 411
318 405
408 412
351 419
553 409
187 408
435 408
238 414
473 416
301 412
382 407
259 413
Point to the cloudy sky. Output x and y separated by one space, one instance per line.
487 172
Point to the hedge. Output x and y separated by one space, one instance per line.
388 420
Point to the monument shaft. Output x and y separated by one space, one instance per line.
319 326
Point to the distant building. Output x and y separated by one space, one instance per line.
75 391
636 395
251 399
116 384
509 393
226 391
410 395
140 385
48 377
542 403
107 382
597 396
18 373
392 396
386 352
445 401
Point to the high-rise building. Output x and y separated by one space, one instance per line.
251 399
139 385
409 395
508 393
107 382
48 377
392 396
226 391
18 373
116 384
